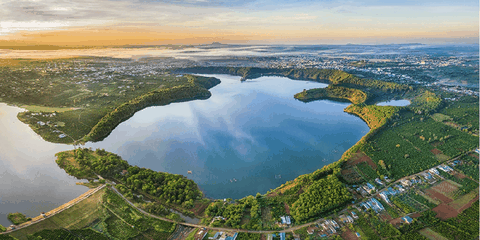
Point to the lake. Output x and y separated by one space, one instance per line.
248 137
30 180
396 103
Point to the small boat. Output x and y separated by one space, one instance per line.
234 179
189 172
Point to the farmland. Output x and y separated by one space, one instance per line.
103 215
405 145
79 91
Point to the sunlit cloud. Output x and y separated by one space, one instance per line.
200 21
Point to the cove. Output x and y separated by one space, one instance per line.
31 182
248 137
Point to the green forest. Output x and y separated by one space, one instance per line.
323 195
332 92
165 187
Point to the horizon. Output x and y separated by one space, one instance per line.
252 22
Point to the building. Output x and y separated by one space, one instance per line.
407 219
426 175
378 181
286 220
406 183
357 234
224 236
369 188
384 196
445 168
373 204
354 215
201 234
345 218
434 171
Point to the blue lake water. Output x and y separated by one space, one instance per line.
396 103
248 137
30 180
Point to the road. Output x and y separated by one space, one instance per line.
214 228
55 212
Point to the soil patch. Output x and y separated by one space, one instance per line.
445 188
287 208
396 222
436 195
349 235
432 235
351 176
444 211
385 216
436 151
199 208
474 155
469 204
460 175
416 215
360 157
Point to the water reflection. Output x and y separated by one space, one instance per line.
396 103
30 180
238 141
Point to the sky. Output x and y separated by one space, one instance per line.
119 22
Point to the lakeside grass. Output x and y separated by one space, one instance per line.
34 108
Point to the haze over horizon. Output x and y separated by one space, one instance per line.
157 22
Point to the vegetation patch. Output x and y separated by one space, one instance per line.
167 188
334 93
432 235
18 218
77 217
323 195
426 102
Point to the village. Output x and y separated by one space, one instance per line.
386 201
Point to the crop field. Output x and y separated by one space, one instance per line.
105 212
80 91
441 117
77 216
469 167
422 200
432 235
446 188
406 145
460 202
367 171
464 112
64 234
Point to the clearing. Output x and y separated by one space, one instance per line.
432 235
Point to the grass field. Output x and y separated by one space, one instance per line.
432 235
441 117
33 108
461 201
